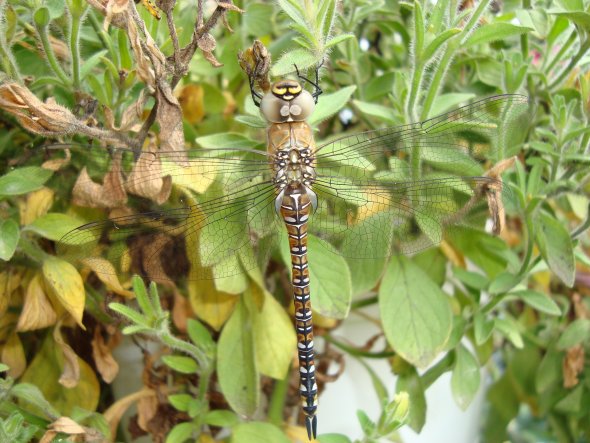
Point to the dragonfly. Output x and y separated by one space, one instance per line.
397 190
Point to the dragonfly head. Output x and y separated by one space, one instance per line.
286 101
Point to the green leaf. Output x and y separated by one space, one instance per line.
466 377
257 432
418 28
180 433
482 327
384 113
492 32
227 140
436 43
538 300
556 247
580 18
416 314
303 58
330 104
572 403
130 313
91 62
42 16
334 438
33 395
293 9
9 235
367 425
509 328
180 363
53 226
23 180
221 418
329 276
446 102
199 334
577 332
236 363
338 39
550 371
180 401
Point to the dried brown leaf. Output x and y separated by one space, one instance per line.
146 178
70 375
573 365
181 311
37 312
55 164
105 271
191 102
228 6
105 363
108 195
113 414
47 119
169 118
146 410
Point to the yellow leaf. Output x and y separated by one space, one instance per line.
64 283
274 336
36 204
212 306
37 312
44 372
9 282
13 355
106 273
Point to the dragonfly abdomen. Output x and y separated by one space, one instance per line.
295 208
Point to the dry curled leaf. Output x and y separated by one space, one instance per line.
113 414
70 375
146 410
108 195
146 178
255 62
76 432
47 119
55 164
106 365
573 365
169 118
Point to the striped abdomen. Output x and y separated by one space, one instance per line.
295 209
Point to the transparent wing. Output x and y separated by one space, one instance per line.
212 237
398 190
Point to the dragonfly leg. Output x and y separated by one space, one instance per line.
317 91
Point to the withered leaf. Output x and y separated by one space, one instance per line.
108 195
47 119
105 363
146 178
37 312
70 375
573 364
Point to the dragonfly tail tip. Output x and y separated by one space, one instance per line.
311 424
